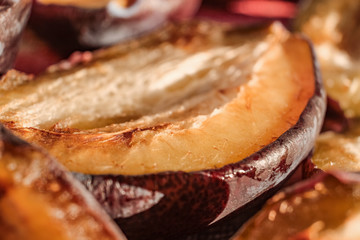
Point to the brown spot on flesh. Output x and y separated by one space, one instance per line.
127 137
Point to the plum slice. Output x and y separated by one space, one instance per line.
39 199
177 129
325 207
339 150
165 108
103 23
333 28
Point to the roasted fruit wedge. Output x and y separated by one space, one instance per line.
39 199
13 18
95 23
333 28
339 151
325 207
176 130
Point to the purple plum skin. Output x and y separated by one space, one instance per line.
13 18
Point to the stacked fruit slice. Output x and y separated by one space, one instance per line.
96 23
39 199
327 207
180 128
333 27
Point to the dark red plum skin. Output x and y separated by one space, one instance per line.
335 119
225 228
35 54
169 204
13 18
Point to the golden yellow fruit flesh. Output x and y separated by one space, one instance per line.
200 99
339 151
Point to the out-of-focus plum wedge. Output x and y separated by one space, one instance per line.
333 27
13 18
323 208
339 151
176 130
105 22
40 200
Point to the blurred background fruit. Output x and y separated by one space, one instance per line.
324 207
333 27
44 43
